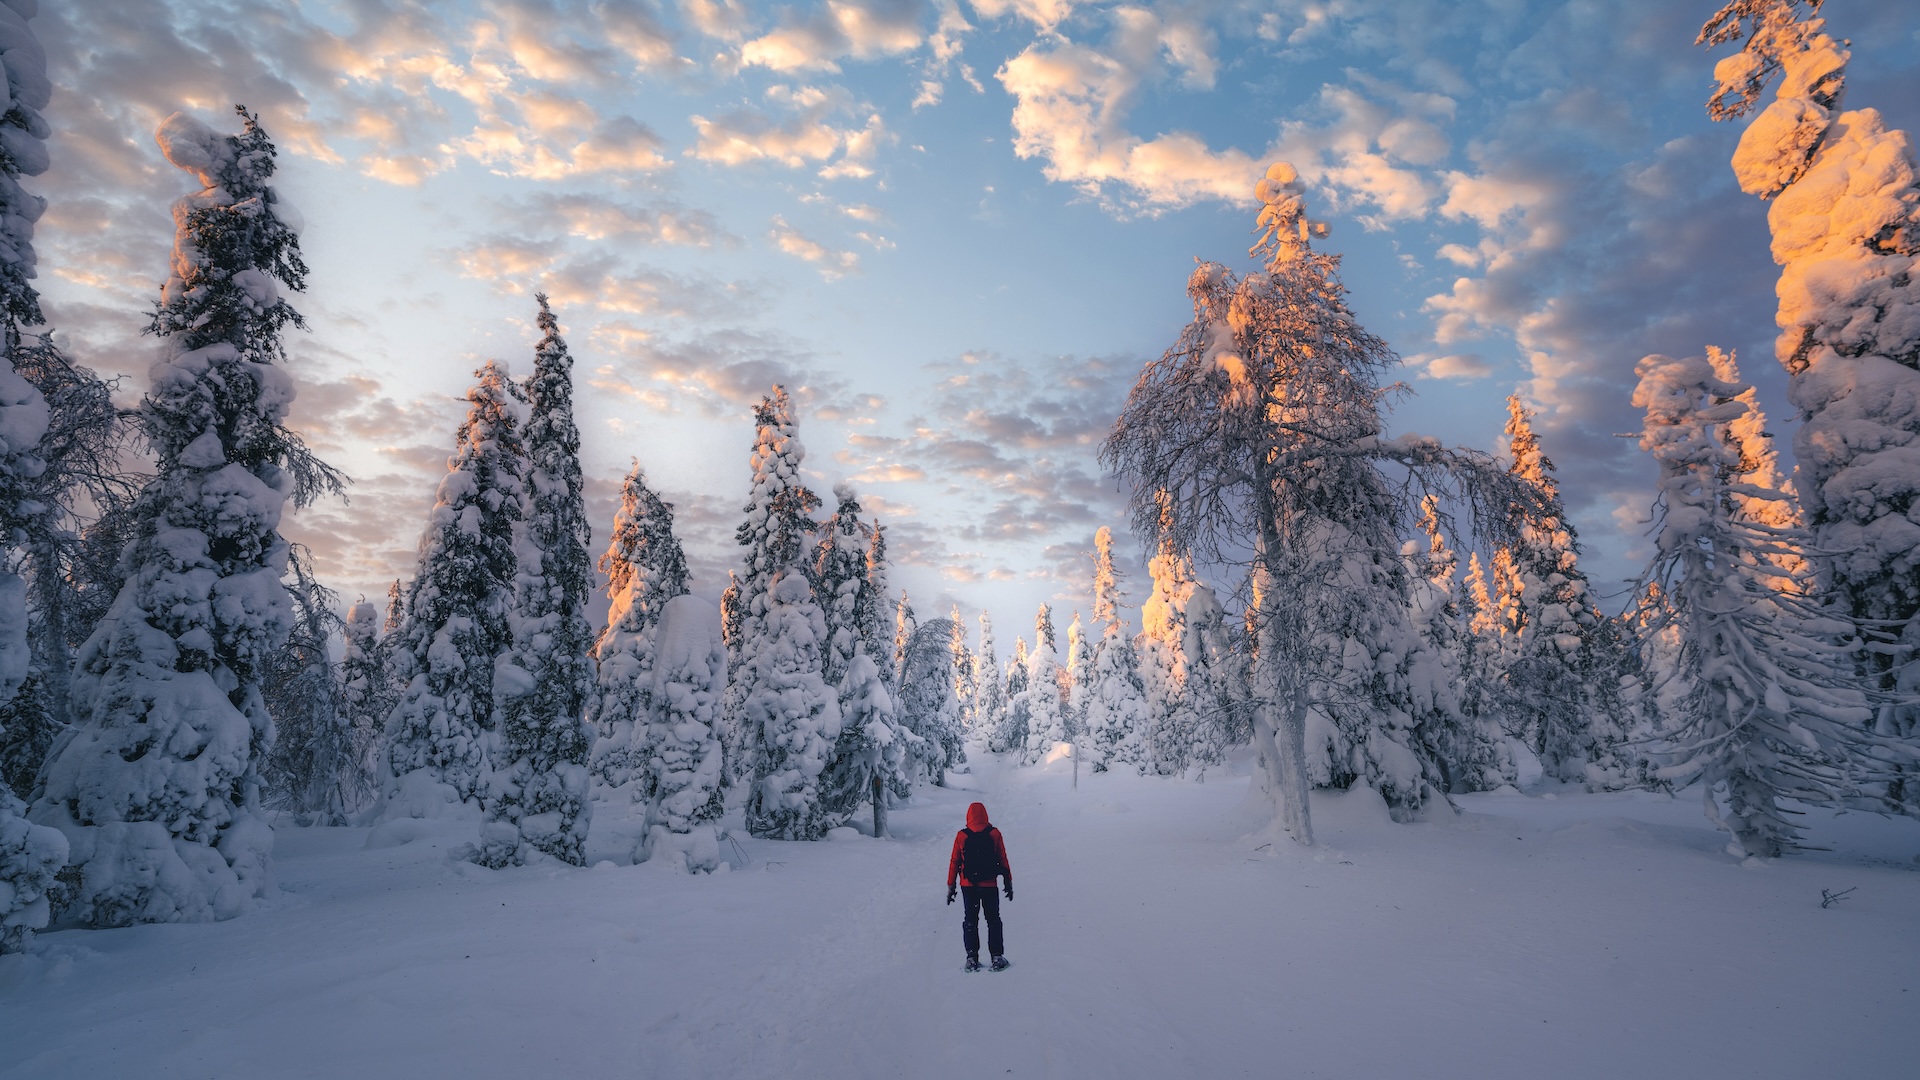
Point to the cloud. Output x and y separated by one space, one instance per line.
1071 103
1462 366
597 278
1044 14
860 29
588 216
831 264
794 131
720 374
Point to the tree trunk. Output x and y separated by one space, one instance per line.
1282 747
879 807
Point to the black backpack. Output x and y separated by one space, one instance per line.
980 857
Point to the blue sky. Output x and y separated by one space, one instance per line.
955 229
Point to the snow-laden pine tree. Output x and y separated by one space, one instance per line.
789 717
1262 427
1845 219
157 785
540 797
1472 754
990 703
1771 709
875 609
927 704
457 624
1040 703
684 780
840 577
1563 678
646 568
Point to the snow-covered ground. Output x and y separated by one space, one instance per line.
1151 934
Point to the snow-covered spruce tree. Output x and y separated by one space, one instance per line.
792 715
1472 755
904 624
966 695
990 703
875 609
457 627
646 568
840 576
733 613
686 787
86 482
1771 709
1563 679
367 696
81 435
157 786
1262 427
1845 219
1183 698
873 744
1011 735
1077 677
316 770
927 704
1040 703
30 854
850 558
789 717
1117 714
1482 652
540 800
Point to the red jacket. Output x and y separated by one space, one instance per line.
976 821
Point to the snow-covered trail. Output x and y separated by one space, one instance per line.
1585 936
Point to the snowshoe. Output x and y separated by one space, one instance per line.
1000 963
973 963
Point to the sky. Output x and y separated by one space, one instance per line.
955 230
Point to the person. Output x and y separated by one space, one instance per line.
979 858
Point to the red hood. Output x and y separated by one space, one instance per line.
977 817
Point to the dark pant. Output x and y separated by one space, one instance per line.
977 897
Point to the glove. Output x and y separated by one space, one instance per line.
1009 890
951 893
